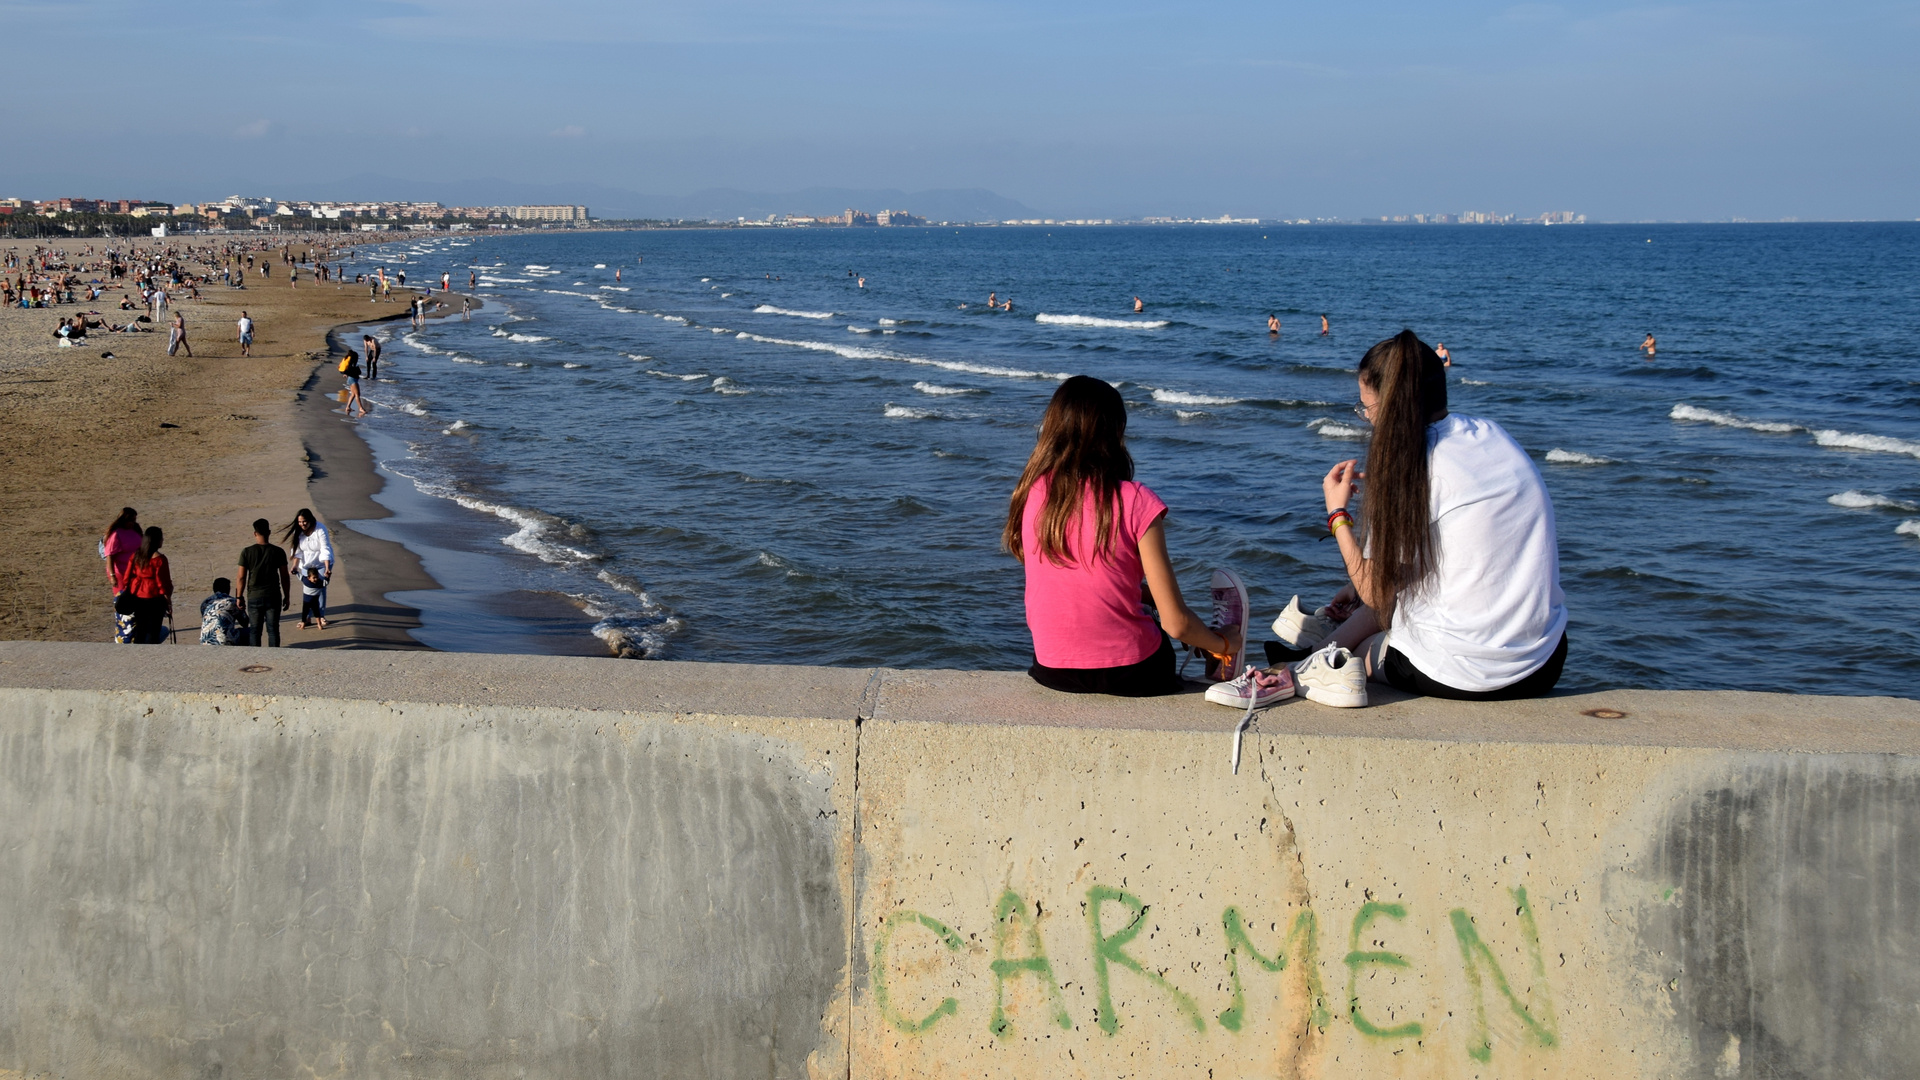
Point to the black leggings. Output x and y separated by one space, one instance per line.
1155 676
1402 675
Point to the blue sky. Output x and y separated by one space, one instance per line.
1624 111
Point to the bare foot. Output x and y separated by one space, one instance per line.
323 624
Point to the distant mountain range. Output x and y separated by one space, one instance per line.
944 204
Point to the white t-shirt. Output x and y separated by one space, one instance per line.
1491 613
315 549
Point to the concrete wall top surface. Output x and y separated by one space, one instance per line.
1731 720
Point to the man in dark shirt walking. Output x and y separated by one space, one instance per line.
264 585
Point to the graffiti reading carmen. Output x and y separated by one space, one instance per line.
1115 917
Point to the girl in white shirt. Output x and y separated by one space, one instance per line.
1456 573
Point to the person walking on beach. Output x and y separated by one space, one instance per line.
312 548
264 585
1647 346
177 334
372 346
117 546
150 583
350 367
246 334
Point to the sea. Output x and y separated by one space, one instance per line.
795 446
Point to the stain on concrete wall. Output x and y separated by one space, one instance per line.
412 892
1778 914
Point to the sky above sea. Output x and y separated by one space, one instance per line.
1623 111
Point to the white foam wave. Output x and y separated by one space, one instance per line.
1094 320
617 288
1879 443
724 385
469 360
571 364
695 377
1684 411
1864 500
486 280
1910 527
769 309
1188 414
414 340
1474 382
858 352
861 329
672 319
1575 457
599 266
458 427
1829 437
906 412
518 363
945 391
888 322
1180 397
524 339
535 266
1333 429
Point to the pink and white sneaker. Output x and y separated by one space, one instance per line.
1255 686
1230 610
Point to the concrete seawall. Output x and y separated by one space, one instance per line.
382 864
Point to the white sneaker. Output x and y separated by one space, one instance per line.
1254 687
1333 676
1230 611
1297 629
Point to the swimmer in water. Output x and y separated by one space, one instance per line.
1007 306
1325 327
993 300
1440 350
1138 306
1273 326
863 283
616 273
1647 346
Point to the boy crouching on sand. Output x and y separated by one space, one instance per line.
222 618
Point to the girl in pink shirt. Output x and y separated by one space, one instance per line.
1088 535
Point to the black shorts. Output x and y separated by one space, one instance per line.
1402 675
1155 676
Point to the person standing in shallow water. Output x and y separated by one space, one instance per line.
1647 346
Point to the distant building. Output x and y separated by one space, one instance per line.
856 217
899 217
549 213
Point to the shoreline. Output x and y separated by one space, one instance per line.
390 537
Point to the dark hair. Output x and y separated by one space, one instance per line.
290 535
262 527
1411 384
221 584
129 519
149 546
1082 445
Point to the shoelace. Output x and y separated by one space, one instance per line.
1249 682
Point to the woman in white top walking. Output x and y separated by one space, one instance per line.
312 549
1455 569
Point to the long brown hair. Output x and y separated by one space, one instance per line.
1411 384
149 546
1082 446
128 519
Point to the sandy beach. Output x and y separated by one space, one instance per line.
200 446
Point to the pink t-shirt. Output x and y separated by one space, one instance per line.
1088 614
120 545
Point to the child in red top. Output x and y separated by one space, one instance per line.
151 584
1088 535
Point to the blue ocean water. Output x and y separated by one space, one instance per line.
796 446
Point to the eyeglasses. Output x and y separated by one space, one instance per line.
1361 410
